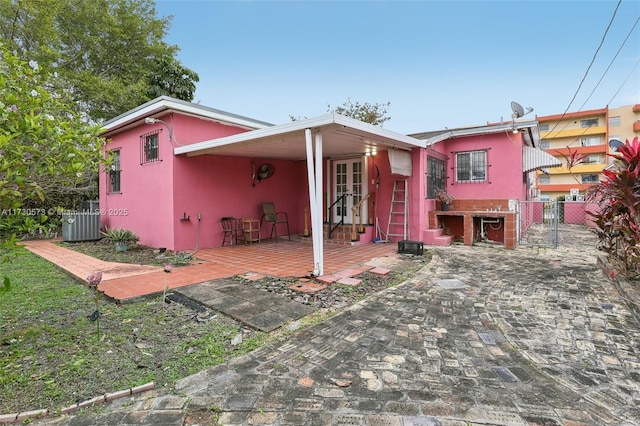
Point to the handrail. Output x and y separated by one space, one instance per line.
342 198
358 207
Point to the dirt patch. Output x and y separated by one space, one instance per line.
136 254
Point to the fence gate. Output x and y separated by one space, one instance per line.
538 223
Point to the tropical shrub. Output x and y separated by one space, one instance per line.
120 235
618 219
49 155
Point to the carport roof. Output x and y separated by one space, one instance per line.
341 136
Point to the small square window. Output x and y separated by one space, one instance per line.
471 166
614 121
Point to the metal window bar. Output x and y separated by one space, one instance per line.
114 181
471 167
114 173
436 175
149 147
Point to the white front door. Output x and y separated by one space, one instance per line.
348 179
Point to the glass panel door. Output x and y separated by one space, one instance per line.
348 179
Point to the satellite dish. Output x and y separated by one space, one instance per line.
517 109
265 171
615 145
518 112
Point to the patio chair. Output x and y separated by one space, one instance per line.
270 215
232 230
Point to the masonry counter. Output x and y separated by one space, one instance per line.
476 225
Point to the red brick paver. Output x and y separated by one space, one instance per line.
285 258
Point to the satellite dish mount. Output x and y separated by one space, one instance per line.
518 112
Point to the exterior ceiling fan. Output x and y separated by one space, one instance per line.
265 171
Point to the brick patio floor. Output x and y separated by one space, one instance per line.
125 282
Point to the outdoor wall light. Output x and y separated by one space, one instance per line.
151 120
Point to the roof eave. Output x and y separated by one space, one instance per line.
484 130
168 104
298 126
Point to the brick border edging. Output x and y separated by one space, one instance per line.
107 397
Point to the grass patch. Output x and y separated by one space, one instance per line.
51 356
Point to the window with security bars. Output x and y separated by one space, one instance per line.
149 147
590 179
589 122
436 176
471 166
114 172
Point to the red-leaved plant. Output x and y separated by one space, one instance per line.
618 219
572 160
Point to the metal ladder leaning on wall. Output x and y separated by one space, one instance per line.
398 211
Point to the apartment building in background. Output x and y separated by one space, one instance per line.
585 133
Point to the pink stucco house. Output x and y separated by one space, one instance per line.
179 168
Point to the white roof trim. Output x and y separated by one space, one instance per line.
403 141
168 104
471 131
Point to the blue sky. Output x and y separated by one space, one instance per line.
439 63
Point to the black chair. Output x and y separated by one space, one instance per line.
270 215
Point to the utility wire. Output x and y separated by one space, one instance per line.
589 67
624 82
610 64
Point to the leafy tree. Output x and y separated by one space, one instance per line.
618 219
375 114
108 54
46 150
169 77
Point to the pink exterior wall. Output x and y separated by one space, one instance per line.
218 186
504 172
146 202
591 208
574 212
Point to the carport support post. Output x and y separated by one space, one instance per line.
316 216
319 205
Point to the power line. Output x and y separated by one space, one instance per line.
624 82
610 64
601 78
589 67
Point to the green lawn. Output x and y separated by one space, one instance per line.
51 355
